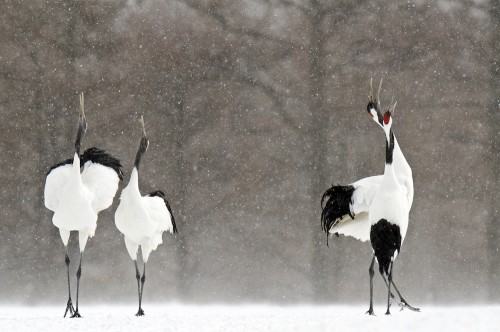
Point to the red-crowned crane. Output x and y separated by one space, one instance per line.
142 219
77 189
388 216
346 209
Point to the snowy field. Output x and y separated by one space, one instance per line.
250 318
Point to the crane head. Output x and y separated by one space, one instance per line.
387 119
375 110
389 113
373 107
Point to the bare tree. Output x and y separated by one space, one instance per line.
254 108
493 231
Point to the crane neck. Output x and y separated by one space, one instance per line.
131 191
76 161
389 148
76 168
389 171
143 146
134 178
79 135
399 160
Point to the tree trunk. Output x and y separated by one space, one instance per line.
317 138
493 232
184 273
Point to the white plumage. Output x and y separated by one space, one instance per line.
353 220
375 208
390 201
77 194
402 169
388 217
76 198
142 219
362 196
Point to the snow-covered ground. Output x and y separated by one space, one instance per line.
174 317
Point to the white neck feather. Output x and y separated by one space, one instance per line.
133 185
76 169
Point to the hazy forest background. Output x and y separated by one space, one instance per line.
253 108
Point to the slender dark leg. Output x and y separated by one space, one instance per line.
389 279
403 301
139 293
143 279
393 298
372 273
69 306
78 275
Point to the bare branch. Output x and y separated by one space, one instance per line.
8 76
290 4
342 10
295 5
272 93
237 30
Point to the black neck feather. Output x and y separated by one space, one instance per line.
79 136
389 148
143 146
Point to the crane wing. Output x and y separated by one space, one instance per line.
408 184
358 228
159 211
57 177
346 209
101 175
364 191
102 183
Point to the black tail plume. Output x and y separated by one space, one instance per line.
336 207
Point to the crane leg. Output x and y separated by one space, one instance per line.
389 279
143 279
399 303
139 293
404 304
371 273
78 275
69 305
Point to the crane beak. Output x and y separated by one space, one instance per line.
82 106
143 126
370 96
378 92
377 98
392 109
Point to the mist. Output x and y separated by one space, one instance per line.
253 109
